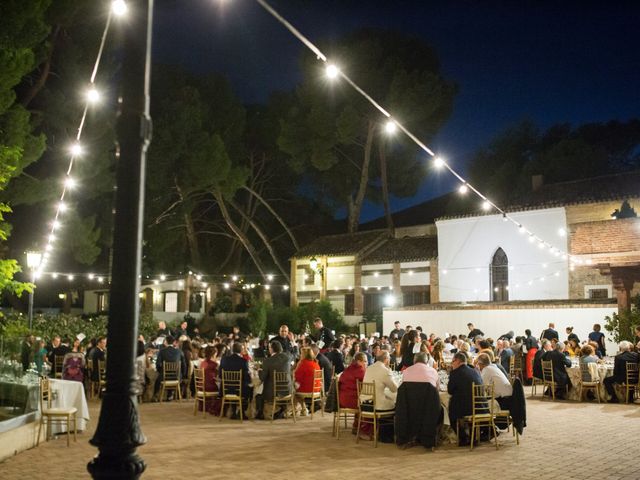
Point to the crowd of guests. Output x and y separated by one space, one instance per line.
468 359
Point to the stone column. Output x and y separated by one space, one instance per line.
323 277
358 297
397 285
293 290
434 281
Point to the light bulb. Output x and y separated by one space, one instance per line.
486 206
463 189
91 276
163 278
390 127
69 183
270 278
62 207
438 162
332 71
119 8
93 96
76 149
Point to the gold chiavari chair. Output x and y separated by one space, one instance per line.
631 381
482 412
547 379
317 394
341 411
170 379
201 394
50 416
231 390
367 412
587 382
58 364
282 394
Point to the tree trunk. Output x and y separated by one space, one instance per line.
190 230
45 70
385 184
273 212
238 232
354 212
264 239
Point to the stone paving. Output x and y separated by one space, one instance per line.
563 440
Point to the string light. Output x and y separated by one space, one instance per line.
119 8
463 189
69 183
390 127
332 71
93 96
62 207
486 206
270 277
75 149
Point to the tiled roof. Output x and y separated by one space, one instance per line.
408 249
589 190
338 245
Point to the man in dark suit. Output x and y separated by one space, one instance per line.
98 355
537 359
560 362
279 361
325 365
235 362
335 356
461 381
550 333
397 332
284 337
620 369
169 353
325 336
474 332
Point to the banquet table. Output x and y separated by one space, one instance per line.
66 394
599 371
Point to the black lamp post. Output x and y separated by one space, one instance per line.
118 433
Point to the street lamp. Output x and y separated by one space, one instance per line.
33 262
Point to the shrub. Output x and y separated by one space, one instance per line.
257 317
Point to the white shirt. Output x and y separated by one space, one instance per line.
386 387
492 374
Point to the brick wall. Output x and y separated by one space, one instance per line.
607 236
590 212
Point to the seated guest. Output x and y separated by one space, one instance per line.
335 356
620 369
235 362
163 331
263 350
285 338
325 365
73 363
420 371
386 387
490 373
560 362
170 353
573 348
210 366
504 353
485 347
537 359
142 363
304 374
438 354
408 347
98 354
588 356
348 384
461 381
278 361
464 347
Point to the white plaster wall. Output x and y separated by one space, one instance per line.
416 278
466 247
499 321
341 277
382 280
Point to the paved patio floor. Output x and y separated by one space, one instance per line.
563 440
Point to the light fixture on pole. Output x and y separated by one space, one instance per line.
33 262
315 266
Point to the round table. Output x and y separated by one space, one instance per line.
598 371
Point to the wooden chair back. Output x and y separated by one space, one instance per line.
368 391
58 365
170 371
631 373
232 382
585 373
281 385
198 377
547 371
482 400
45 394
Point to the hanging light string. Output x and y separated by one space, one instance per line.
333 72
92 97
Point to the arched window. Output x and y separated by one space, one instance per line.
499 276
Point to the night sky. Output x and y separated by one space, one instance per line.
550 62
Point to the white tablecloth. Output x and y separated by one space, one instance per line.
66 394
598 371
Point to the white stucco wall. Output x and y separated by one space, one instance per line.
495 322
466 247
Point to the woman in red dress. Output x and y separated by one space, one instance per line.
212 354
304 374
347 386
